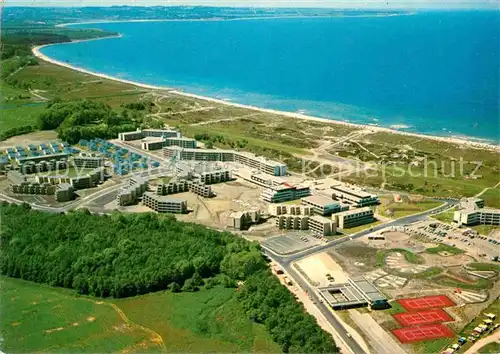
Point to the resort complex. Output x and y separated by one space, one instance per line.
142 218
473 212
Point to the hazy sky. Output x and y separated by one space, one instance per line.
271 3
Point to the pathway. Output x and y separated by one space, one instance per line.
379 338
225 119
132 324
37 95
495 337
487 188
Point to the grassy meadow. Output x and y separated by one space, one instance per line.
404 208
39 318
290 140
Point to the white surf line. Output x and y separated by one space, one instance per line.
37 52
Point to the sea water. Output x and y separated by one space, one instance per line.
431 72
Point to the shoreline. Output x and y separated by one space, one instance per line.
454 140
233 19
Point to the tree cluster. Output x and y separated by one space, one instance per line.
139 106
86 119
24 129
120 255
210 140
127 255
266 301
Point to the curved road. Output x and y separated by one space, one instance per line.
285 261
80 202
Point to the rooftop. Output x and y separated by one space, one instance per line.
352 190
64 186
164 198
354 211
320 219
180 138
319 200
368 288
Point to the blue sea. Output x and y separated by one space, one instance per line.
432 72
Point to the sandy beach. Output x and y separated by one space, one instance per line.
231 19
459 141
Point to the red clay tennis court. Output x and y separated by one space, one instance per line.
426 302
407 319
420 333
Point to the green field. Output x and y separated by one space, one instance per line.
467 330
40 318
395 308
356 229
282 138
409 256
484 229
491 198
444 248
445 216
13 116
491 348
205 321
405 208
66 84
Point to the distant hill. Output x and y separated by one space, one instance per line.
57 15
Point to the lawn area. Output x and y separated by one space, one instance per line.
444 248
39 318
13 116
409 256
353 230
399 210
491 198
452 282
292 202
398 177
478 284
205 321
395 308
433 346
445 216
493 308
69 172
490 348
68 84
485 266
484 229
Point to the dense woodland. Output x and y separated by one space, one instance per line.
126 255
77 120
267 301
119 255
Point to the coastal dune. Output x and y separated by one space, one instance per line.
455 140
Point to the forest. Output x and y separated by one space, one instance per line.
119 255
127 255
75 120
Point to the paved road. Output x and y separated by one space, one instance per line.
495 337
152 156
88 199
285 261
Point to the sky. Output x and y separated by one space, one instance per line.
270 3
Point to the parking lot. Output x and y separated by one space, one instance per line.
291 243
478 245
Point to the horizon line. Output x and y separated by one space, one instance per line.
489 6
